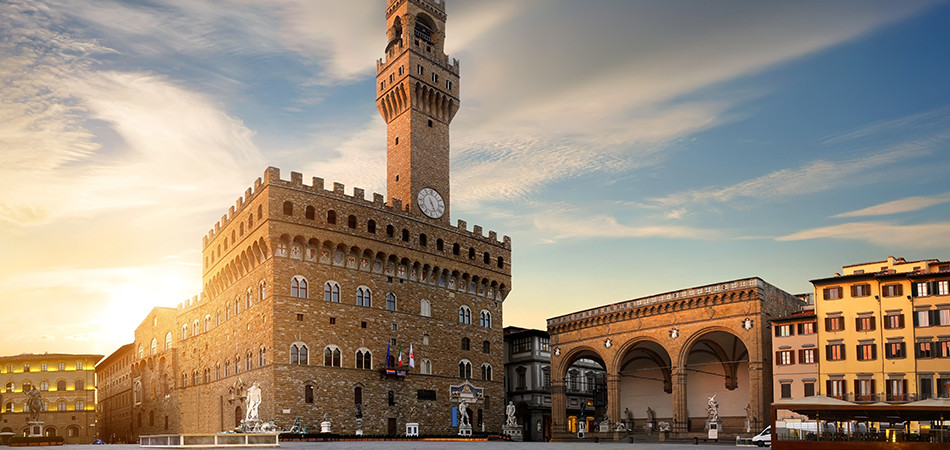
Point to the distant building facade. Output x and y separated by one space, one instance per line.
671 352
528 380
114 396
795 349
885 331
325 298
67 385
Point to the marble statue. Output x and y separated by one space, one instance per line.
463 414
628 414
712 408
510 412
253 401
651 416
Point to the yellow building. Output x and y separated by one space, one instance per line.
884 330
67 385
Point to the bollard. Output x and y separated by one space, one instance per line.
695 441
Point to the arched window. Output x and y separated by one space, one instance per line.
208 323
426 367
44 385
194 328
425 308
465 369
486 258
391 301
298 287
261 290
358 395
237 306
60 385
331 217
61 405
261 356
311 213
405 235
364 297
423 239
248 361
331 292
260 212
194 378
80 385
288 209
308 393
390 231
501 262
141 352
439 244
364 359
371 226
486 372
465 315
331 356
455 249
351 221
168 340
466 343
485 319
298 354
153 347
248 298
227 368
471 253
486 347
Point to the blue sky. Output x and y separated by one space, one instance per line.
627 147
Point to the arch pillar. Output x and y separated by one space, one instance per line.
613 398
680 413
558 407
758 405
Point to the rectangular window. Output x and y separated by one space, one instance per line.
26 367
448 85
925 349
62 366
807 356
895 350
865 323
834 323
943 349
943 316
894 321
897 390
867 352
43 367
834 352
861 290
521 345
943 387
925 387
786 390
922 318
892 290
809 389
545 344
835 389
806 328
943 287
922 290
435 77
785 358
831 293
783 330
864 390
420 70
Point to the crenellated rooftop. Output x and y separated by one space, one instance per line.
272 178
382 64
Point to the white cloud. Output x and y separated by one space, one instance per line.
816 176
884 234
903 205
563 221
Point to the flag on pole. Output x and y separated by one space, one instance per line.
399 360
387 354
412 359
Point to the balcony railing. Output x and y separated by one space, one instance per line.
876 397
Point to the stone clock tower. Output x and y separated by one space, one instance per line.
417 94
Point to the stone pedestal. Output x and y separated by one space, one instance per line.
35 428
325 427
412 429
514 432
359 427
465 430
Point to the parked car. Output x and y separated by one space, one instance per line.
764 438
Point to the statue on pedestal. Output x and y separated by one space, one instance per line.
510 420
712 409
35 403
253 401
463 414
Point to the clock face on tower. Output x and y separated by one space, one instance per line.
431 203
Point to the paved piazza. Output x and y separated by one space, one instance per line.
493 445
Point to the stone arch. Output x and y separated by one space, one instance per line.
715 361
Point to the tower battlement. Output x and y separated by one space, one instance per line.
450 65
358 195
